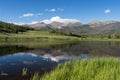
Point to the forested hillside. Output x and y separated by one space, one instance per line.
12 28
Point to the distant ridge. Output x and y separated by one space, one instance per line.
94 27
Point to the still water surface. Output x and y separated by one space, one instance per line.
43 58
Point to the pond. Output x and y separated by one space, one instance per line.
43 58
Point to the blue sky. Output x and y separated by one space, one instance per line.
27 11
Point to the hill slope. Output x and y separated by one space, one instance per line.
12 28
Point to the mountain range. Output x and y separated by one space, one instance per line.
94 27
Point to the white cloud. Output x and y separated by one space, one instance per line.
60 9
21 23
48 21
30 15
50 10
58 19
107 11
27 15
54 9
38 14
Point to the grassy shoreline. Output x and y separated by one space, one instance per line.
39 36
86 69
34 36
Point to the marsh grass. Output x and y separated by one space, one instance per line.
35 77
86 69
24 72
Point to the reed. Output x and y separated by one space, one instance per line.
24 71
86 69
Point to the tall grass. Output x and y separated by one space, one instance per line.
86 69
24 72
36 77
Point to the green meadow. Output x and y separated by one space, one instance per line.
86 69
45 36
34 36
